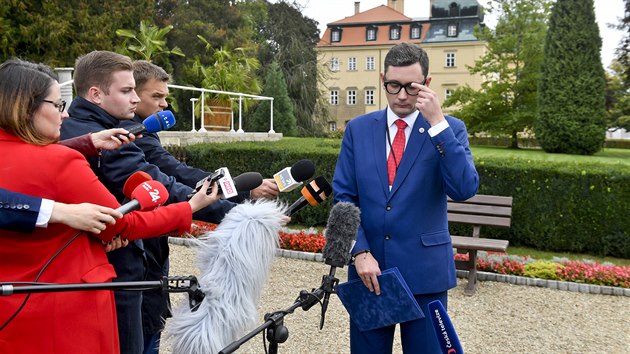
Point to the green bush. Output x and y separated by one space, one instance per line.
577 207
542 270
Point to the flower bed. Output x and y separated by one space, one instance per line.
588 272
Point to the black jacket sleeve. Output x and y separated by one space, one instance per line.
18 212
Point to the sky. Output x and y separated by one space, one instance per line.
327 11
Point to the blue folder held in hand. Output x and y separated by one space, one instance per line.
368 311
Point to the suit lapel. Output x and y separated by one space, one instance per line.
412 151
378 143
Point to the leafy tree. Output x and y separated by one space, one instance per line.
623 51
617 99
289 38
149 43
283 118
55 34
571 96
506 103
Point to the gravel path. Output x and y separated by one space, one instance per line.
500 318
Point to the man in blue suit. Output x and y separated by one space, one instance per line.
399 174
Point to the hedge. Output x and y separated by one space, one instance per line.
574 207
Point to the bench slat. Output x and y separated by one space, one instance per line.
479 220
485 244
487 199
479 209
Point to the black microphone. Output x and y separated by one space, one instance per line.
242 183
154 123
315 192
292 177
341 231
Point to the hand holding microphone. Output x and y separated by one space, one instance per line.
206 196
154 123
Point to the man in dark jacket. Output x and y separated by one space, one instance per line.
105 87
152 88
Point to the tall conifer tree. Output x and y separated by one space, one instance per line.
571 96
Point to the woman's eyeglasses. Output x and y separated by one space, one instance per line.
60 105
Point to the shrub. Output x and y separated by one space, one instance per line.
542 270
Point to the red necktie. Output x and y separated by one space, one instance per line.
397 149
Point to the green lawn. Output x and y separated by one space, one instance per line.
605 156
545 255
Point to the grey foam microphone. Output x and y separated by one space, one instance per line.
341 231
342 228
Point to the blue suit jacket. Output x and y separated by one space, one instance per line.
18 212
406 227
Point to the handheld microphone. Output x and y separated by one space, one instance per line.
154 123
146 196
292 177
243 182
444 330
341 231
133 181
315 192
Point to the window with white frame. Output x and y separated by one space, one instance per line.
335 35
448 93
370 34
351 100
415 32
394 32
369 97
369 63
332 126
352 64
334 97
451 30
450 60
334 64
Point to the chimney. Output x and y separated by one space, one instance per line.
356 7
398 5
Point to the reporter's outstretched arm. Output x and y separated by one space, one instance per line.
201 200
85 216
111 139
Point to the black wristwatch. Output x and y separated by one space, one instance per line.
354 256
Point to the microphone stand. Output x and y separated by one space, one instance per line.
276 331
176 284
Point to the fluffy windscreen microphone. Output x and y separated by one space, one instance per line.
341 231
146 196
444 330
292 177
133 181
315 192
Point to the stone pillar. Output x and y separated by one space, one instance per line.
65 79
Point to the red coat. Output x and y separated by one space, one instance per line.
65 322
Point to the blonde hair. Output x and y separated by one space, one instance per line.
23 88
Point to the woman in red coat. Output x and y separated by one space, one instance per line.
31 111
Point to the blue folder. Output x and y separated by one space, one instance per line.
368 311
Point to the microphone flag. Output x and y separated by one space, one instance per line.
444 330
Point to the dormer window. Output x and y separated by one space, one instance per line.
335 35
394 32
416 31
370 34
453 10
451 30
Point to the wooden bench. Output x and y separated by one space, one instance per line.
480 210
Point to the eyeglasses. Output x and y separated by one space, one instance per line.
394 87
60 105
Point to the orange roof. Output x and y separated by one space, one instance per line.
381 16
381 13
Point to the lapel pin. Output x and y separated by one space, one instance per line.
421 130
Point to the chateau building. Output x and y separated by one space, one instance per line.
352 51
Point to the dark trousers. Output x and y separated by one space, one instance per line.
130 265
417 337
